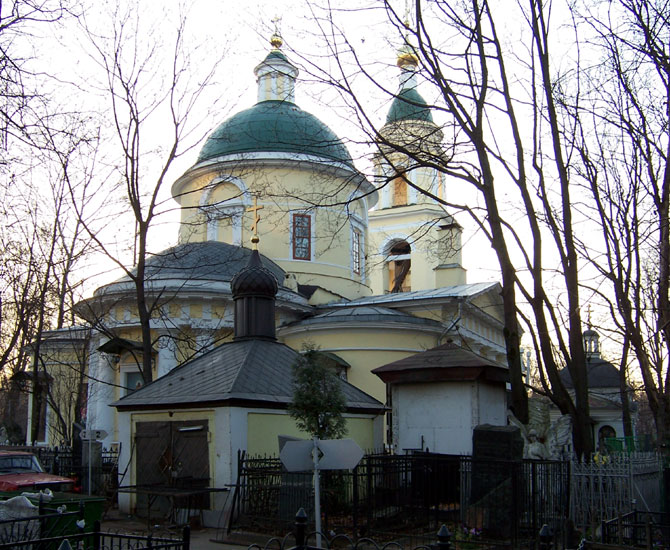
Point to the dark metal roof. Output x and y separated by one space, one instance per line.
600 374
465 291
247 372
448 362
366 314
200 261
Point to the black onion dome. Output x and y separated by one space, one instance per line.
254 279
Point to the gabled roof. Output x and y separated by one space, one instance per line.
251 372
448 362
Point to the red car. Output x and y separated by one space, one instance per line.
21 471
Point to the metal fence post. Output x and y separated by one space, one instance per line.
81 512
545 537
444 538
96 535
186 538
354 508
300 527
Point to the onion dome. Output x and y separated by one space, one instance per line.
275 124
254 279
254 289
408 103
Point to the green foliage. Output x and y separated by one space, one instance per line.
318 402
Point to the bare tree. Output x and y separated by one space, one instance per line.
630 144
43 247
514 143
19 90
149 86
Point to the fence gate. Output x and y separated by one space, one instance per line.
171 454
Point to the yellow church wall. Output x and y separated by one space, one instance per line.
218 310
365 349
488 304
415 224
292 191
263 429
195 311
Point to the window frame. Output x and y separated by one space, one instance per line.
304 233
356 252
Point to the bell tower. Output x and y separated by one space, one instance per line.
415 243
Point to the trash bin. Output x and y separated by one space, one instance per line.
93 507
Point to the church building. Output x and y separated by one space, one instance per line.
369 271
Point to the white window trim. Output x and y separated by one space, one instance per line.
357 227
412 193
233 210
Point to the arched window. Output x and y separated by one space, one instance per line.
399 267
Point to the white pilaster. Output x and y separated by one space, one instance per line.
101 390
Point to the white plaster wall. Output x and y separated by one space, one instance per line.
441 416
125 457
493 405
237 438
439 413
101 392
224 461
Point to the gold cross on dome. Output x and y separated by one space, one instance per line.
276 20
254 226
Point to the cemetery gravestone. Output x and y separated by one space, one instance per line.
495 449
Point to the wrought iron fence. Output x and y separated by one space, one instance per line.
636 528
64 462
98 540
391 496
614 484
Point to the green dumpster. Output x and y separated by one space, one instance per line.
93 507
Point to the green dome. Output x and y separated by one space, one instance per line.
409 105
275 126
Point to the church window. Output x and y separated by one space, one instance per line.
133 382
356 239
399 190
399 267
302 237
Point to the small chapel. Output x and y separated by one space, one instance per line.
367 270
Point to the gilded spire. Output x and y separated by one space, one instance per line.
407 58
276 40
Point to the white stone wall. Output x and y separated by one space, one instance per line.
440 417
